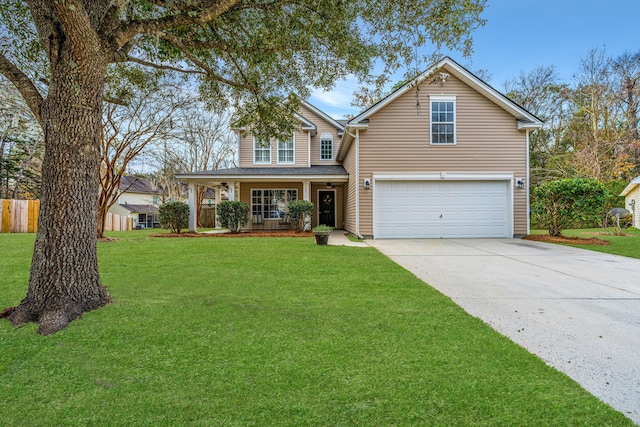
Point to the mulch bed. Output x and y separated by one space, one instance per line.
268 233
566 239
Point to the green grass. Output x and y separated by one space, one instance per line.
627 245
270 332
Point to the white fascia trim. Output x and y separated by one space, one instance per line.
443 176
323 115
357 126
630 186
528 125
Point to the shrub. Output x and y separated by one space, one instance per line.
174 216
299 211
563 203
233 215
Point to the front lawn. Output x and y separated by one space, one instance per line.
270 332
627 245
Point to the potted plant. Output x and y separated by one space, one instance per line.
322 234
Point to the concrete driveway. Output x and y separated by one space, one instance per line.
578 310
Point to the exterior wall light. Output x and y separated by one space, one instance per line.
367 184
519 183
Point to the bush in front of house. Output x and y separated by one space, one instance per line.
567 203
233 215
299 211
174 216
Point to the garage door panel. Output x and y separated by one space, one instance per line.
427 209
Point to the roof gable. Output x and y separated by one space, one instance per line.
133 184
525 118
324 116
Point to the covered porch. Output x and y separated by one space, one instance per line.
267 192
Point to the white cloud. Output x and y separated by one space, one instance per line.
336 102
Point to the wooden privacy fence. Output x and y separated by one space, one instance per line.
118 223
21 216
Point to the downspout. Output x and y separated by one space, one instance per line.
237 156
528 188
309 149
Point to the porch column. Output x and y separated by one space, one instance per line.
232 191
306 190
218 200
192 207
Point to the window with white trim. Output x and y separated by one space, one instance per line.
261 152
443 120
272 203
286 151
326 146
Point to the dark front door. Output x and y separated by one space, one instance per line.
327 204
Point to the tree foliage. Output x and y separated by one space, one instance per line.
174 216
569 202
233 215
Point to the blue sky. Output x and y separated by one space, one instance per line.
522 34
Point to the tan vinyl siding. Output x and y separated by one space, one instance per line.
323 126
397 140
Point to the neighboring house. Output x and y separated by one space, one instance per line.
139 199
631 195
444 156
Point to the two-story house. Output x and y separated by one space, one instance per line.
443 156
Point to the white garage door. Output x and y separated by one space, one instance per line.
441 209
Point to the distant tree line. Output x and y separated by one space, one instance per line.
590 123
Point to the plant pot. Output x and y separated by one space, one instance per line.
322 238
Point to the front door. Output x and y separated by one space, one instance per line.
327 208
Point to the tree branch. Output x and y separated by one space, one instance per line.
159 66
24 85
187 17
177 43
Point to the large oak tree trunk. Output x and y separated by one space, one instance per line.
64 280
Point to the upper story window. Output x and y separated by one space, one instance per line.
261 151
326 146
154 200
443 119
286 151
